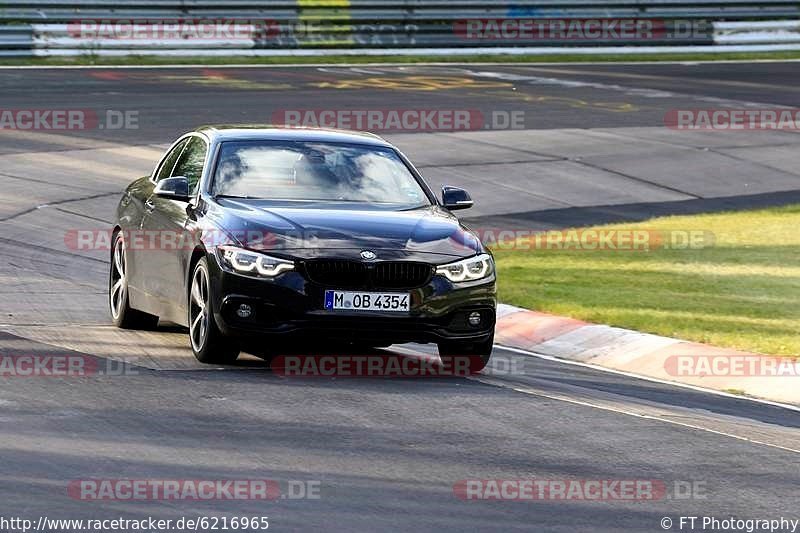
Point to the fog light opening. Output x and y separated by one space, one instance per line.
474 319
244 311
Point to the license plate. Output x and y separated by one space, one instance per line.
391 302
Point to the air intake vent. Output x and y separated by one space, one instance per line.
392 275
399 275
341 274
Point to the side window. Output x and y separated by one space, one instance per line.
168 164
191 162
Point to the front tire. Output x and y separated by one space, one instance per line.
478 353
122 314
209 345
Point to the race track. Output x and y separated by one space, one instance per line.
385 452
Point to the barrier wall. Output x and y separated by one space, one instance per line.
306 27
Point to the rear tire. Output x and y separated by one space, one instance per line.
208 343
478 353
122 314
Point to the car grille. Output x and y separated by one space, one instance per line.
344 274
401 275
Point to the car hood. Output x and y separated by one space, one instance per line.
344 231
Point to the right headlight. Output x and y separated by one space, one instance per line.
472 269
252 263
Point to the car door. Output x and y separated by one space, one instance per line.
140 251
165 223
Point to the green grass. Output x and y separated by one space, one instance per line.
737 392
339 59
743 292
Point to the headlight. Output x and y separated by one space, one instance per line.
474 268
247 262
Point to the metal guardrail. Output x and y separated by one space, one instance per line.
44 27
16 40
757 32
336 36
393 11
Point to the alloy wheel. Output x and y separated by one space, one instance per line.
119 281
198 309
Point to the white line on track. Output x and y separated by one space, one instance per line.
650 379
526 390
563 398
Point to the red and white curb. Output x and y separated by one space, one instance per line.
663 358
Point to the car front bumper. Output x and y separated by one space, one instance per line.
290 306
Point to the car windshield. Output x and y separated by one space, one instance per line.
313 171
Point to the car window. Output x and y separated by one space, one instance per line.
190 164
315 171
165 170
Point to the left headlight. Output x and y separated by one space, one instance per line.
254 263
472 269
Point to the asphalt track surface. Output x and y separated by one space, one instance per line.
386 453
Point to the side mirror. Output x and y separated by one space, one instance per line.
454 198
176 188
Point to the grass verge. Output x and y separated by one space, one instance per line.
91 60
741 292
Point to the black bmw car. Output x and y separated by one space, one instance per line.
291 235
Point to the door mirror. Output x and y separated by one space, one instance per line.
454 198
176 188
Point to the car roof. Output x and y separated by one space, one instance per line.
255 132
